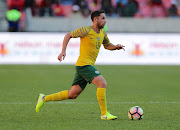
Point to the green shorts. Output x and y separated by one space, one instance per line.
85 74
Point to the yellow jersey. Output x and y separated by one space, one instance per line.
90 44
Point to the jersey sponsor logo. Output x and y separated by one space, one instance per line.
91 38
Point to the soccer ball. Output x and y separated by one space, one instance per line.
135 113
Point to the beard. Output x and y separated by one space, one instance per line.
100 26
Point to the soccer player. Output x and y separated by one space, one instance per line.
91 39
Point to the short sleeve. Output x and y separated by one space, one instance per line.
106 39
80 32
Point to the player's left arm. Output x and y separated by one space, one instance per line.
111 46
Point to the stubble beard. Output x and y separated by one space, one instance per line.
100 26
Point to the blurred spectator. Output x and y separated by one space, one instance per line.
38 2
178 6
94 4
173 11
120 5
76 12
108 7
119 8
45 8
158 10
16 4
34 8
178 11
27 16
83 7
57 9
67 10
166 4
13 17
29 3
130 8
144 9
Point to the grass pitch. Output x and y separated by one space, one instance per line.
154 88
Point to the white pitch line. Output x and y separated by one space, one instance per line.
58 102
15 103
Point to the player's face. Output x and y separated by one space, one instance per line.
101 20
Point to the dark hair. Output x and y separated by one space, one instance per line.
96 13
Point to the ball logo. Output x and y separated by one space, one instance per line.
97 72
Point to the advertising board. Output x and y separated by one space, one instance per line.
44 48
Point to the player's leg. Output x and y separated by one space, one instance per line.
52 97
92 75
99 81
78 86
63 95
74 91
101 84
71 94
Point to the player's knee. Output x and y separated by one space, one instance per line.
72 96
103 84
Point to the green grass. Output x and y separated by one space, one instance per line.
155 88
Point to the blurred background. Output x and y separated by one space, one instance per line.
148 28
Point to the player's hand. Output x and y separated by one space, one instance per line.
61 56
119 46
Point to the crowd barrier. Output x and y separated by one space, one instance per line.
44 48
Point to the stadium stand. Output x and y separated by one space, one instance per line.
36 11
113 8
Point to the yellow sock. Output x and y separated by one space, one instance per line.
57 96
101 96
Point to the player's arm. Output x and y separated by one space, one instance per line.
110 46
80 32
113 47
62 55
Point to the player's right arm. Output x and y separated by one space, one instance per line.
80 32
62 55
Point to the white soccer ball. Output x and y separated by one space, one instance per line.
135 113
